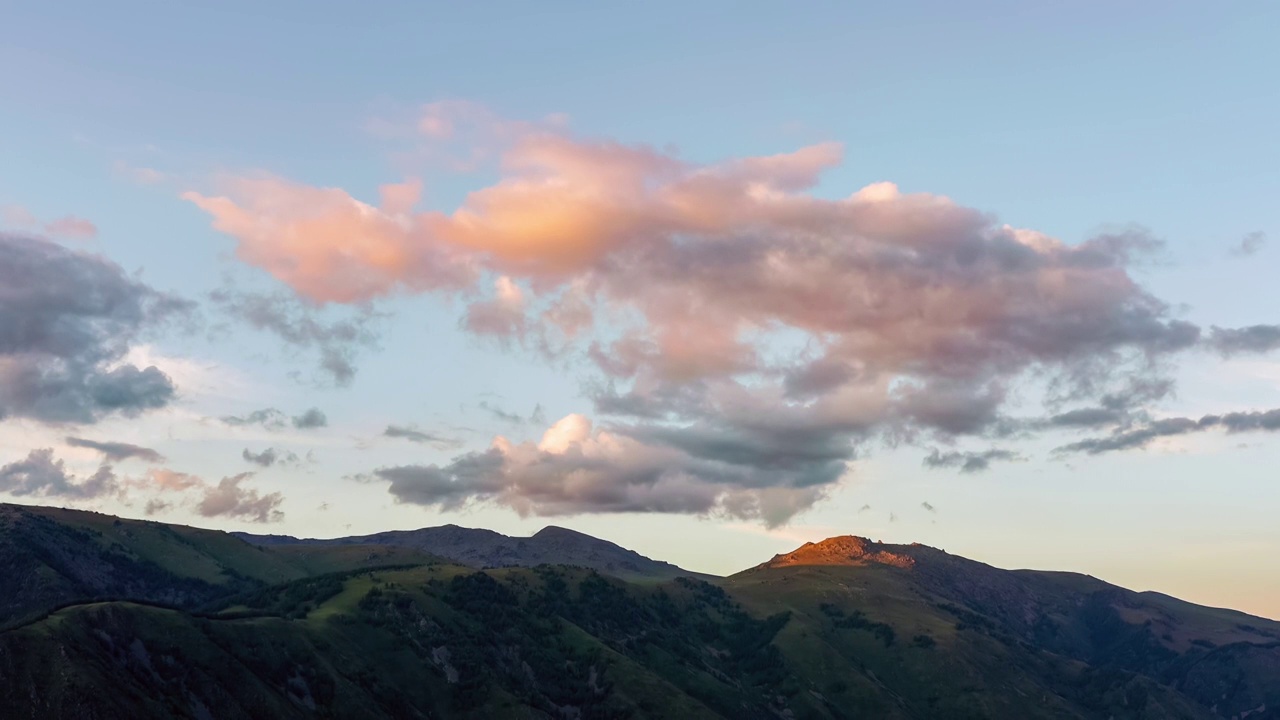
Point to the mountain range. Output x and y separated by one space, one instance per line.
105 617
480 548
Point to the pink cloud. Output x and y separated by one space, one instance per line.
18 216
72 227
68 226
711 294
711 258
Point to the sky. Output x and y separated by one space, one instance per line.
707 280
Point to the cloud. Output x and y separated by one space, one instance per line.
273 419
72 227
301 325
167 480
117 451
41 474
1252 339
139 174
502 316
17 216
743 328
68 226
1249 244
270 457
576 468
311 419
968 462
229 499
67 321
269 418
1233 422
418 436
536 416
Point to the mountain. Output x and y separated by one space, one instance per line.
487 549
1071 638
844 628
50 557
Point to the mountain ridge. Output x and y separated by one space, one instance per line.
482 548
133 618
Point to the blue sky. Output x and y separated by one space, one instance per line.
1069 119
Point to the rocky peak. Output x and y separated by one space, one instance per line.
843 550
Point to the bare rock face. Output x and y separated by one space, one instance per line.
843 550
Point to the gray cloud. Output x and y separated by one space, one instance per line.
1130 439
1252 339
117 451
1268 420
40 474
229 499
274 419
1234 422
67 320
304 326
269 418
418 436
310 419
1087 417
968 462
536 416
576 470
1249 244
270 457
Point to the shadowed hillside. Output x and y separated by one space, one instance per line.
487 549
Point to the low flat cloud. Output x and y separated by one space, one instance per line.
536 416
40 474
968 462
418 436
1140 437
117 451
274 419
1245 340
67 321
269 418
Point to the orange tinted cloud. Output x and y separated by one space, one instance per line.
672 273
